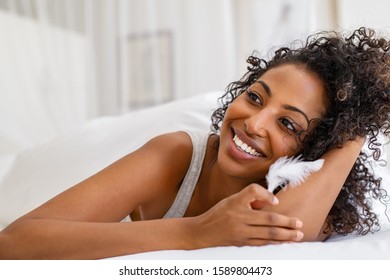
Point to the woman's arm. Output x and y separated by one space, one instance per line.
312 200
62 239
80 222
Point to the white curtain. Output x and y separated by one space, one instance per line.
44 72
66 61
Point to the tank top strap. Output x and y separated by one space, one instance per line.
183 197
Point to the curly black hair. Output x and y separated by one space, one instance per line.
355 71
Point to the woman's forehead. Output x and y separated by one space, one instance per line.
296 86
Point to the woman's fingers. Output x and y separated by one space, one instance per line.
274 233
257 196
265 225
234 221
258 224
261 242
272 219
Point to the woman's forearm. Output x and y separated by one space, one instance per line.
57 239
312 200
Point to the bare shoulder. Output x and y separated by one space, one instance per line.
165 158
170 157
149 173
171 141
174 149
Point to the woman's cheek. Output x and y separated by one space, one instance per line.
291 146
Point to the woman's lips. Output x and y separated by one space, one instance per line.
245 144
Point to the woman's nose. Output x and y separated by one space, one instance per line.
259 124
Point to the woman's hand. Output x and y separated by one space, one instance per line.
239 221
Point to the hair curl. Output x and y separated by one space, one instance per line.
355 71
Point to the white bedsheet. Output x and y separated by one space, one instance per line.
32 176
374 247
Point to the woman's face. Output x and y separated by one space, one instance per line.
263 123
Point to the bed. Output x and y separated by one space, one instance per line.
34 174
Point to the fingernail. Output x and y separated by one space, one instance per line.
298 224
275 200
299 235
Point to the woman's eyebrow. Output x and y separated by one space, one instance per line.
288 107
295 109
265 86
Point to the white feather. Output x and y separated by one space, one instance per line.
291 171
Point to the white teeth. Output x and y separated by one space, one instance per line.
245 147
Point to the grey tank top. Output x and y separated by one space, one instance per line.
183 197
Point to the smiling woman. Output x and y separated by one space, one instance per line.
354 75
189 190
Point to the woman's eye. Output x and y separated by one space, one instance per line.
254 97
289 125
